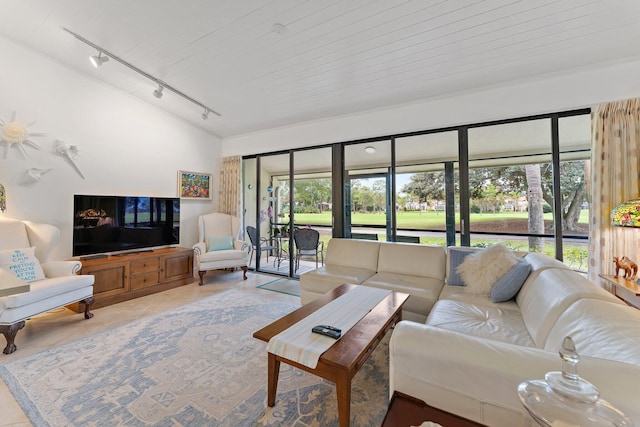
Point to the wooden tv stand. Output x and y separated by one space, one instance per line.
127 276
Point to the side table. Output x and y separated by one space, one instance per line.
627 290
406 411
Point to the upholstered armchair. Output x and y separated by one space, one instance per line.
218 245
25 248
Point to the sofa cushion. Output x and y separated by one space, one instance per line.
22 263
359 254
219 243
482 269
480 321
424 291
411 259
47 288
461 293
455 257
222 255
509 285
540 261
543 299
324 279
599 329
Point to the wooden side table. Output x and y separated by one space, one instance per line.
627 290
406 411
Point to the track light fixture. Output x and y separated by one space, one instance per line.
98 60
104 55
158 92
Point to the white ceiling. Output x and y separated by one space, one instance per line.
335 58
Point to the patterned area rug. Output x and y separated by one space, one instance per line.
195 365
284 286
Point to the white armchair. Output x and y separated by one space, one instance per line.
60 286
218 245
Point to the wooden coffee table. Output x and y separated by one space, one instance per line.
342 360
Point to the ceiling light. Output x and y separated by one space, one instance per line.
158 92
104 55
369 150
98 60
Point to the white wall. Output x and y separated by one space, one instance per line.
127 147
568 91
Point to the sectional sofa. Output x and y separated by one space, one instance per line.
459 351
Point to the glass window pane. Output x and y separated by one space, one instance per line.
273 195
367 177
511 187
420 186
313 205
575 166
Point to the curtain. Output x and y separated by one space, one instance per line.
615 149
230 193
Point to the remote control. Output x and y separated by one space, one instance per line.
327 332
331 328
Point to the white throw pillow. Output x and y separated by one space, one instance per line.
23 263
482 269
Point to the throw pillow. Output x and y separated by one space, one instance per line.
23 263
456 257
509 285
220 243
482 269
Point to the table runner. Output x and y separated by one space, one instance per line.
299 344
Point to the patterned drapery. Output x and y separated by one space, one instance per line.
229 197
615 178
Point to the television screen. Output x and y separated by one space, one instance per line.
105 224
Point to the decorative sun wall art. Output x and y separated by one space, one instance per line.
16 134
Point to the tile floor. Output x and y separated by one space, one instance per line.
63 325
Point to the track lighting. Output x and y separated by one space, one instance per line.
98 60
104 55
158 92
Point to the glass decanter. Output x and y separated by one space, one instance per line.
563 399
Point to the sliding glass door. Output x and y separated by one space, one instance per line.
367 190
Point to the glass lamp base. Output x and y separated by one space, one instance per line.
553 409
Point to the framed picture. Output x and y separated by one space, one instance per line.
194 185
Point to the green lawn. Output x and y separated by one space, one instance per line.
417 219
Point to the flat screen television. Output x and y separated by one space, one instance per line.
107 224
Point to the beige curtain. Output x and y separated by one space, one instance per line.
615 149
230 195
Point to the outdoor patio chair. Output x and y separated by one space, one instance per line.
308 242
262 245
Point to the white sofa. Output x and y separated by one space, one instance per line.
470 354
61 285
418 270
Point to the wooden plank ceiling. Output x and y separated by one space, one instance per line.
322 58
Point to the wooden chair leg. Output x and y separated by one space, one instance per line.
201 273
9 332
88 303
244 272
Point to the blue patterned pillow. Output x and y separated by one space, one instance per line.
509 285
22 263
456 256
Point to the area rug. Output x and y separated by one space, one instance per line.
195 365
284 286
